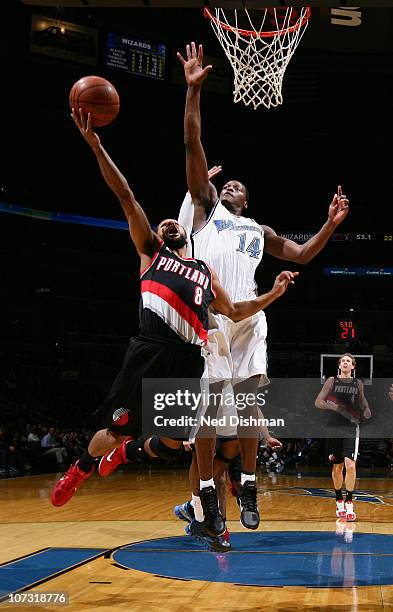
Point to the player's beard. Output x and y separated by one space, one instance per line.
174 244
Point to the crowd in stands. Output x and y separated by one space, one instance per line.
39 449
36 449
298 452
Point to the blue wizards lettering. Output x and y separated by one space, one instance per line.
222 224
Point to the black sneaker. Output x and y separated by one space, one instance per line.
214 523
249 515
217 544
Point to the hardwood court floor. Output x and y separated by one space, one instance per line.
134 506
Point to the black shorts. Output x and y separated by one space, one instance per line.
121 411
340 448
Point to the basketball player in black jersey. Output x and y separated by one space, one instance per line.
344 396
176 295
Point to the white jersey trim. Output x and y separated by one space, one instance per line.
208 218
156 254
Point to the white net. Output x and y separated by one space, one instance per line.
259 53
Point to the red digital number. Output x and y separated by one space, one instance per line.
346 330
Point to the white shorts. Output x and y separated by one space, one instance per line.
236 350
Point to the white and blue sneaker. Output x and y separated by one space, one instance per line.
185 512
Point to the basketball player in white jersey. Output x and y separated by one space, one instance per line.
233 245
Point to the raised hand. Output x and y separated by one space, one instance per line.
214 171
282 281
339 208
83 123
193 71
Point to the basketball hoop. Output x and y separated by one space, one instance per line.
259 57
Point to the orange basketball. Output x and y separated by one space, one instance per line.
97 96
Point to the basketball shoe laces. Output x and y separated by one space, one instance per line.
249 498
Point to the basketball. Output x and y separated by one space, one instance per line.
97 96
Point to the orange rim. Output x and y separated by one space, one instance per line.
229 28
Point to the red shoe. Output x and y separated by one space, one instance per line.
65 488
112 459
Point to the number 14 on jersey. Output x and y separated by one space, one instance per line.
253 249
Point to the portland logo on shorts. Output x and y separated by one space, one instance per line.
120 416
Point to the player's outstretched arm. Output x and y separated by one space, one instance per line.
186 212
196 165
289 250
237 311
145 240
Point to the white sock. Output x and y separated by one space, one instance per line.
245 477
203 484
198 510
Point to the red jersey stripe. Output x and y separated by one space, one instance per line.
177 304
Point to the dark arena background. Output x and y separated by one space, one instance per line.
70 298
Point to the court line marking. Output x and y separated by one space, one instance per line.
31 554
319 519
56 574
257 552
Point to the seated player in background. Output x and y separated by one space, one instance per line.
344 396
176 295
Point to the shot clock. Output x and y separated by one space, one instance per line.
347 330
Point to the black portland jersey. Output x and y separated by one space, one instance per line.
345 391
176 294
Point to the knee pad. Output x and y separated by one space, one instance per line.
162 451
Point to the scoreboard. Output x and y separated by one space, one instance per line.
136 56
373 237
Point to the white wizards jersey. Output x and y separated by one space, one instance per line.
232 246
